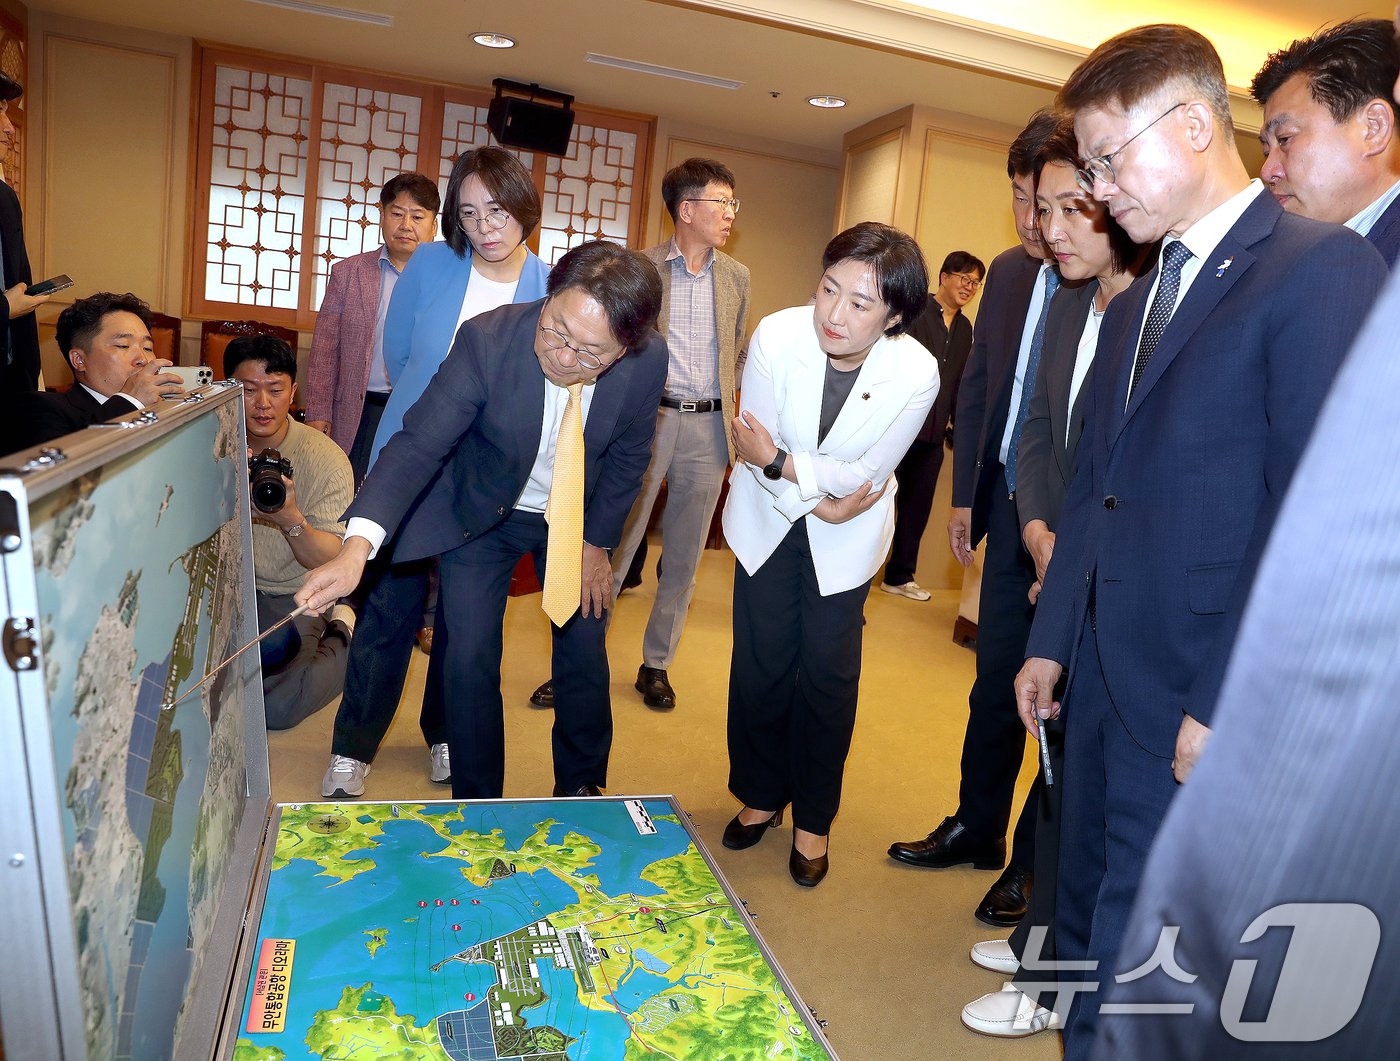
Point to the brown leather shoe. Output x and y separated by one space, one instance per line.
655 688
738 836
1005 902
950 845
807 872
425 640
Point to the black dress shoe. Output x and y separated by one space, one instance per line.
543 696
655 689
950 845
808 872
738 836
582 790
1005 902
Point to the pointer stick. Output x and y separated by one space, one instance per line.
1044 751
275 626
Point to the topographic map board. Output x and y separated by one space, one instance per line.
134 565
573 929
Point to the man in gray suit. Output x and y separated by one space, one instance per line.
704 311
1289 820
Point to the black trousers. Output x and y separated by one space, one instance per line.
994 743
363 445
471 609
918 478
389 606
793 684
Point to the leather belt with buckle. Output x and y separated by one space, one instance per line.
705 405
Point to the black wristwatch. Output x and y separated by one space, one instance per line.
775 470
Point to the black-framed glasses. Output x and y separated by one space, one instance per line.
557 340
967 280
492 219
724 204
1100 168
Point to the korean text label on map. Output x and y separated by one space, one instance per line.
271 982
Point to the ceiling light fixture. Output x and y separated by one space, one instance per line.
493 40
307 7
638 67
828 102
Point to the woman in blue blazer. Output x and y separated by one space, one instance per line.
834 394
490 209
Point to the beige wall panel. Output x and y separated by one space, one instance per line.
785 222
872 180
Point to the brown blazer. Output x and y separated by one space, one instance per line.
731 318
337 372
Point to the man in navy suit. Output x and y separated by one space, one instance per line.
992 402
1209 374
1331 147
106 340
493 414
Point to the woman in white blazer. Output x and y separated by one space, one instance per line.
833 394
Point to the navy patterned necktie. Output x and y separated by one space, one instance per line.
1052 281
1163 304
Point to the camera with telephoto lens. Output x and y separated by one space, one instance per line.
265 483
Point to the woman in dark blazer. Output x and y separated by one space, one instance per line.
833 395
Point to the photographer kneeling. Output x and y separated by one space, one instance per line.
300 483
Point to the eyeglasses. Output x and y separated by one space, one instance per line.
557 340
725 204
967 280
492 219
1100 168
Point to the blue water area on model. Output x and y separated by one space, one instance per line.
650 962
329 920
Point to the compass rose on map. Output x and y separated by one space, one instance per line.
328 824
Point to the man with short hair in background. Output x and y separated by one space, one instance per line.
304 663
347 384
947 335
106 340
704 310
1331 149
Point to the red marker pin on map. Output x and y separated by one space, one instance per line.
456 928
422 902
469 997
476 902
456 903
437 902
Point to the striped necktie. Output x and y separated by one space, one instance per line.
1174 257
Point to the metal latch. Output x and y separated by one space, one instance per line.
21 650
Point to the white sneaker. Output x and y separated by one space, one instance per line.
439 765
912 590
996 955
345 779
1008 1014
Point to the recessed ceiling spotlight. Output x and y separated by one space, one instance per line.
829 102
493 40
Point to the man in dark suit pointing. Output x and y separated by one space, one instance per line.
524 389
1209 373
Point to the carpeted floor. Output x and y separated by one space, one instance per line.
880 950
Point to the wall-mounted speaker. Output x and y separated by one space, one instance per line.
527 123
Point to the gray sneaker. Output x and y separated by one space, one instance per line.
439 765
345 779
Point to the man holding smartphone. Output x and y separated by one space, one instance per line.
19 342
106 340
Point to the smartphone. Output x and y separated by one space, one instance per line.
192 377
49 286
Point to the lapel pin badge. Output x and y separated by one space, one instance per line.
1220 269
865 397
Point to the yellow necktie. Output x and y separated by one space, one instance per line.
563 569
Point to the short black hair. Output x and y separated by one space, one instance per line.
419 188
897 262
1347 66
509 183
622 281
274 354
1020 159
688 180
963 262
83 319
1062 149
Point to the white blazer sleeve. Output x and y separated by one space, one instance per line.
819 474
760 398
